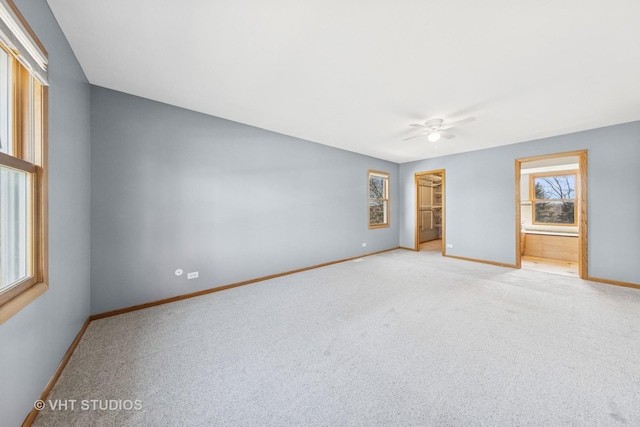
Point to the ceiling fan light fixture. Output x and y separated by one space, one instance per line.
436 128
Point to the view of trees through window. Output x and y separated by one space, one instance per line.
554 199
378 199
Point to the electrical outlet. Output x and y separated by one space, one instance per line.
364 245
193 275
179 272
450 245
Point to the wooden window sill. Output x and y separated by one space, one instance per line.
19 302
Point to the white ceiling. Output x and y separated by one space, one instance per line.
355 74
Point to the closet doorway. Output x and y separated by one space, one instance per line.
430 209
551 213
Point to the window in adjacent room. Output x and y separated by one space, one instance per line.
378 199
554 198
23 219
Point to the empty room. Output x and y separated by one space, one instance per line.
319 213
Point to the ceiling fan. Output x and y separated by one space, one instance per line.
436 128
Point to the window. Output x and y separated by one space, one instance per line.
378 199
553 198
23 221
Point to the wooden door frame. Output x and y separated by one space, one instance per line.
416 179
582 207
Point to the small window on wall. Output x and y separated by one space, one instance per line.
378 199
554 198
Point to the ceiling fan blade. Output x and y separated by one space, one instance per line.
433 123
415 136
416 125
446 135
458 123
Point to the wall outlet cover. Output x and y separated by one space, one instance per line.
193 275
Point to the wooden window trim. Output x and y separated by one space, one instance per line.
27 27
532 178
386 200
13 299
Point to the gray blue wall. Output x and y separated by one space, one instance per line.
33 342
480 199
172 189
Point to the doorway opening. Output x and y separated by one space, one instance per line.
430 211
551 213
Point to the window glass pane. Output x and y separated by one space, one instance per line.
555 212
555 187
5 103
14 224
377 187
377 212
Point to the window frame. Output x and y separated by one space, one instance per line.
534 200
29 154
385 200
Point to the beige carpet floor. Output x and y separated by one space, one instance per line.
399 338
